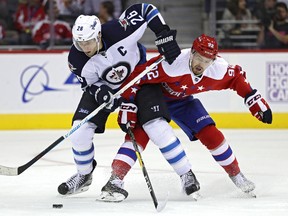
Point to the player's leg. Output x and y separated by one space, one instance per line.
126 156
223 154
82 146
198 124
113 190
161 133
153 115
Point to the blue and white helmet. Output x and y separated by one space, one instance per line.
86 28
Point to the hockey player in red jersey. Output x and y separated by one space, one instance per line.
195 70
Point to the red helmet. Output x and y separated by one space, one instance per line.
206 46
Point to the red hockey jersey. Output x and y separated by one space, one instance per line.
178 81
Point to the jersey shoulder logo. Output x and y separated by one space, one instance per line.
71 67
124 23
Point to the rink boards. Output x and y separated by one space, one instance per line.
39 92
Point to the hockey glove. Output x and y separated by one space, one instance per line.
167 45
104 95
127 116
258 107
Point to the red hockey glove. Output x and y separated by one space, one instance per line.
127 114
258 107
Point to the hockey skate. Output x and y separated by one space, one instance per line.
77 183
243 183
113 191
190 184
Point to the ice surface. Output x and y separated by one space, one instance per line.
262 155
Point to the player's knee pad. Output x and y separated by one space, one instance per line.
151 104
82 138
211 137
160 132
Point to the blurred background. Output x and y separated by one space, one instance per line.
39 91
237 24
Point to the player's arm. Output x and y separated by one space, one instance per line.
252 98
77 65
128 109
156 75
166 38
235 79
99 89
90 82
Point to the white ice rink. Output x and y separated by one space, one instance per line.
262 155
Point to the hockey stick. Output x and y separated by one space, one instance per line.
14 171
145 173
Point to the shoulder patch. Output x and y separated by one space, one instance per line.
124 23
71 67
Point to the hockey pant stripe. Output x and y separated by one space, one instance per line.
161 134
174 152
126 159
83 152
215 141
223 155
128 152
83 162
84 159
171 146
176 157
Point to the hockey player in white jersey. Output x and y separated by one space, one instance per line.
102 57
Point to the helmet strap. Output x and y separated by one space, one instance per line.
98 46
98 41
190 60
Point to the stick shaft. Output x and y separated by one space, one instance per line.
144 170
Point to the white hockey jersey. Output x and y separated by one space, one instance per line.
121 52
